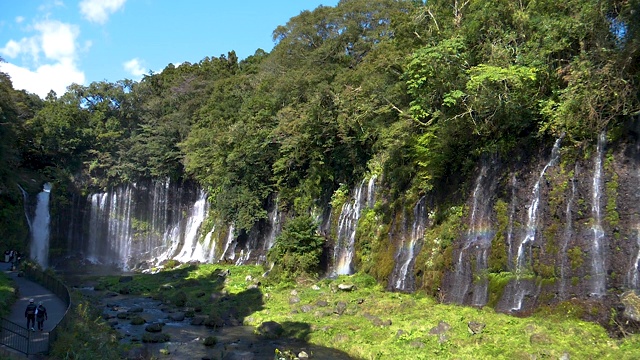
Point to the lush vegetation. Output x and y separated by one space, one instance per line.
7 294
370 323
412 91
416 90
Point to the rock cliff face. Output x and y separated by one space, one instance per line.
562 228
559 225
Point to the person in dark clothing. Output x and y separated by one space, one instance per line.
41 315
30 314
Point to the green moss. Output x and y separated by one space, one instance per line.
435 256
497 283
611 209
498 257
576 257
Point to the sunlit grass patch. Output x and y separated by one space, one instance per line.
368 322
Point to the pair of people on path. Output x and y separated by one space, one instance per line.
33 313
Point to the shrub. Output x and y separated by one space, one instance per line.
298 248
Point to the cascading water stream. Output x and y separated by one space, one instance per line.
40 229
347 226
598 280
192 248
531 229
635 266
478 240
138 225
402 277
25 199
512 212
568 233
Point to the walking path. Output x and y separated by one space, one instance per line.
29 290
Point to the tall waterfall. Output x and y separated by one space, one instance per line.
402 277
347 226
518 289
477 243
39 250
598 280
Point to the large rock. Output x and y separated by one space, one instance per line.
270 329
631 302
154 328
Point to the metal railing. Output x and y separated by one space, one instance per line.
28 342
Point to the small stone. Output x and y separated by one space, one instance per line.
315 287
303 355
346 287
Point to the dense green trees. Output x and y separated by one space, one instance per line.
416 90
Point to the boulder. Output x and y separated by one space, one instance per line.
270 329
197 320
154 328
631 302
346 287
178 316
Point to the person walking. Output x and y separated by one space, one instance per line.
41 315
30 314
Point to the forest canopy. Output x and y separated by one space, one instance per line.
414 90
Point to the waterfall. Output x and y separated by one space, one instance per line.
635 266
598 275
230 241
532 212
347 225
25 199
512 212
275 226
148 222
478 241
40 228
402 277
192 248
568 233
520 288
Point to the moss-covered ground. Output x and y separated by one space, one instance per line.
370 323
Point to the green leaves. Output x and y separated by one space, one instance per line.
298 248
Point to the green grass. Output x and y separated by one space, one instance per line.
363 329
7 294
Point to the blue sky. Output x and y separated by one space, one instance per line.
50 44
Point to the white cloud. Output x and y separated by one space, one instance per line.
99 10
19 19
45 78
135 67
57 42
